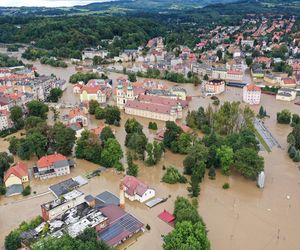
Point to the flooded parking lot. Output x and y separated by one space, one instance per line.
242 217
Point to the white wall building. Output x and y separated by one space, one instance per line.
251 94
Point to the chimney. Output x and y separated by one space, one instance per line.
122 197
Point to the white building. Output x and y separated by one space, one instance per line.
5 122
91 53
251 94
286 94
215 87
235 75
136 190
124 94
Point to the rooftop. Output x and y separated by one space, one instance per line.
48 160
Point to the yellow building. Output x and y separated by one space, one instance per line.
16 174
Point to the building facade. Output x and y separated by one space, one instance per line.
251 94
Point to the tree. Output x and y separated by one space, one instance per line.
295 119
171 134
182 144
38 142
205 77
212 172
33 122
187 236
137 142
262 112
226 157
93 105
249 61
37 108
16 115
106 133
55 95
152 125
220 54
173 176
132 167
294 137
99 113
25 149
284 117
132 77
5 161
13 241
112 114
63 139
133 126
56 114
248 162
111 154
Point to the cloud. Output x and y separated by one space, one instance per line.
45 3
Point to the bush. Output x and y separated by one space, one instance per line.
226 185
26 191
152 125
2 189
148 227
173 176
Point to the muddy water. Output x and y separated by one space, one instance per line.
243 217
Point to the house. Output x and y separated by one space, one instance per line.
50 166
91 53
263 60
136 190
77 115
14 178
214 87
179 92
257 71
97 131
251 94
5 121
286 94
88 93
288 82
235 75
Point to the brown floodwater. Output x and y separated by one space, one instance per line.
242 217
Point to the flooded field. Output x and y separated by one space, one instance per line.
242 217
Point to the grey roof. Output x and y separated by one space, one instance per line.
63 187
89 198
108 198
61 163
14 189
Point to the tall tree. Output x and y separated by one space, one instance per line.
226 157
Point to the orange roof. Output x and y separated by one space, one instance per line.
19 169
97 131
76 111
91 89
48 160
289 81
235 72
263 59
253 87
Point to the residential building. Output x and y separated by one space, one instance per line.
179 92
214 87
286 94
235 75
77 115
92 93
5 121
14 178
91 53
55 208
77 127
288 82
50 166
136 189
251 94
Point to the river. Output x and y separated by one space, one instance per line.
242 217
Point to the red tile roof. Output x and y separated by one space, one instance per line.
289 81
253 87
76 111
19 169
235 72
134 185
48 160
91 89
152 107
166 216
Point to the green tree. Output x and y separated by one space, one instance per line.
132 167
187 236
63 139
248 162
111 154
37 108
33 122
132 77
39 143
182 144
106 133
99 113
294 137
295 119
226 157
219 54
112 114
93 105
249 61
212 172
173 176
5 161
13 241
284 117
133 126
16 115
171 134
55 95
25 149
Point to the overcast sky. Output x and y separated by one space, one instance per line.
48 3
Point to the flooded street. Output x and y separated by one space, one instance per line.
242 217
